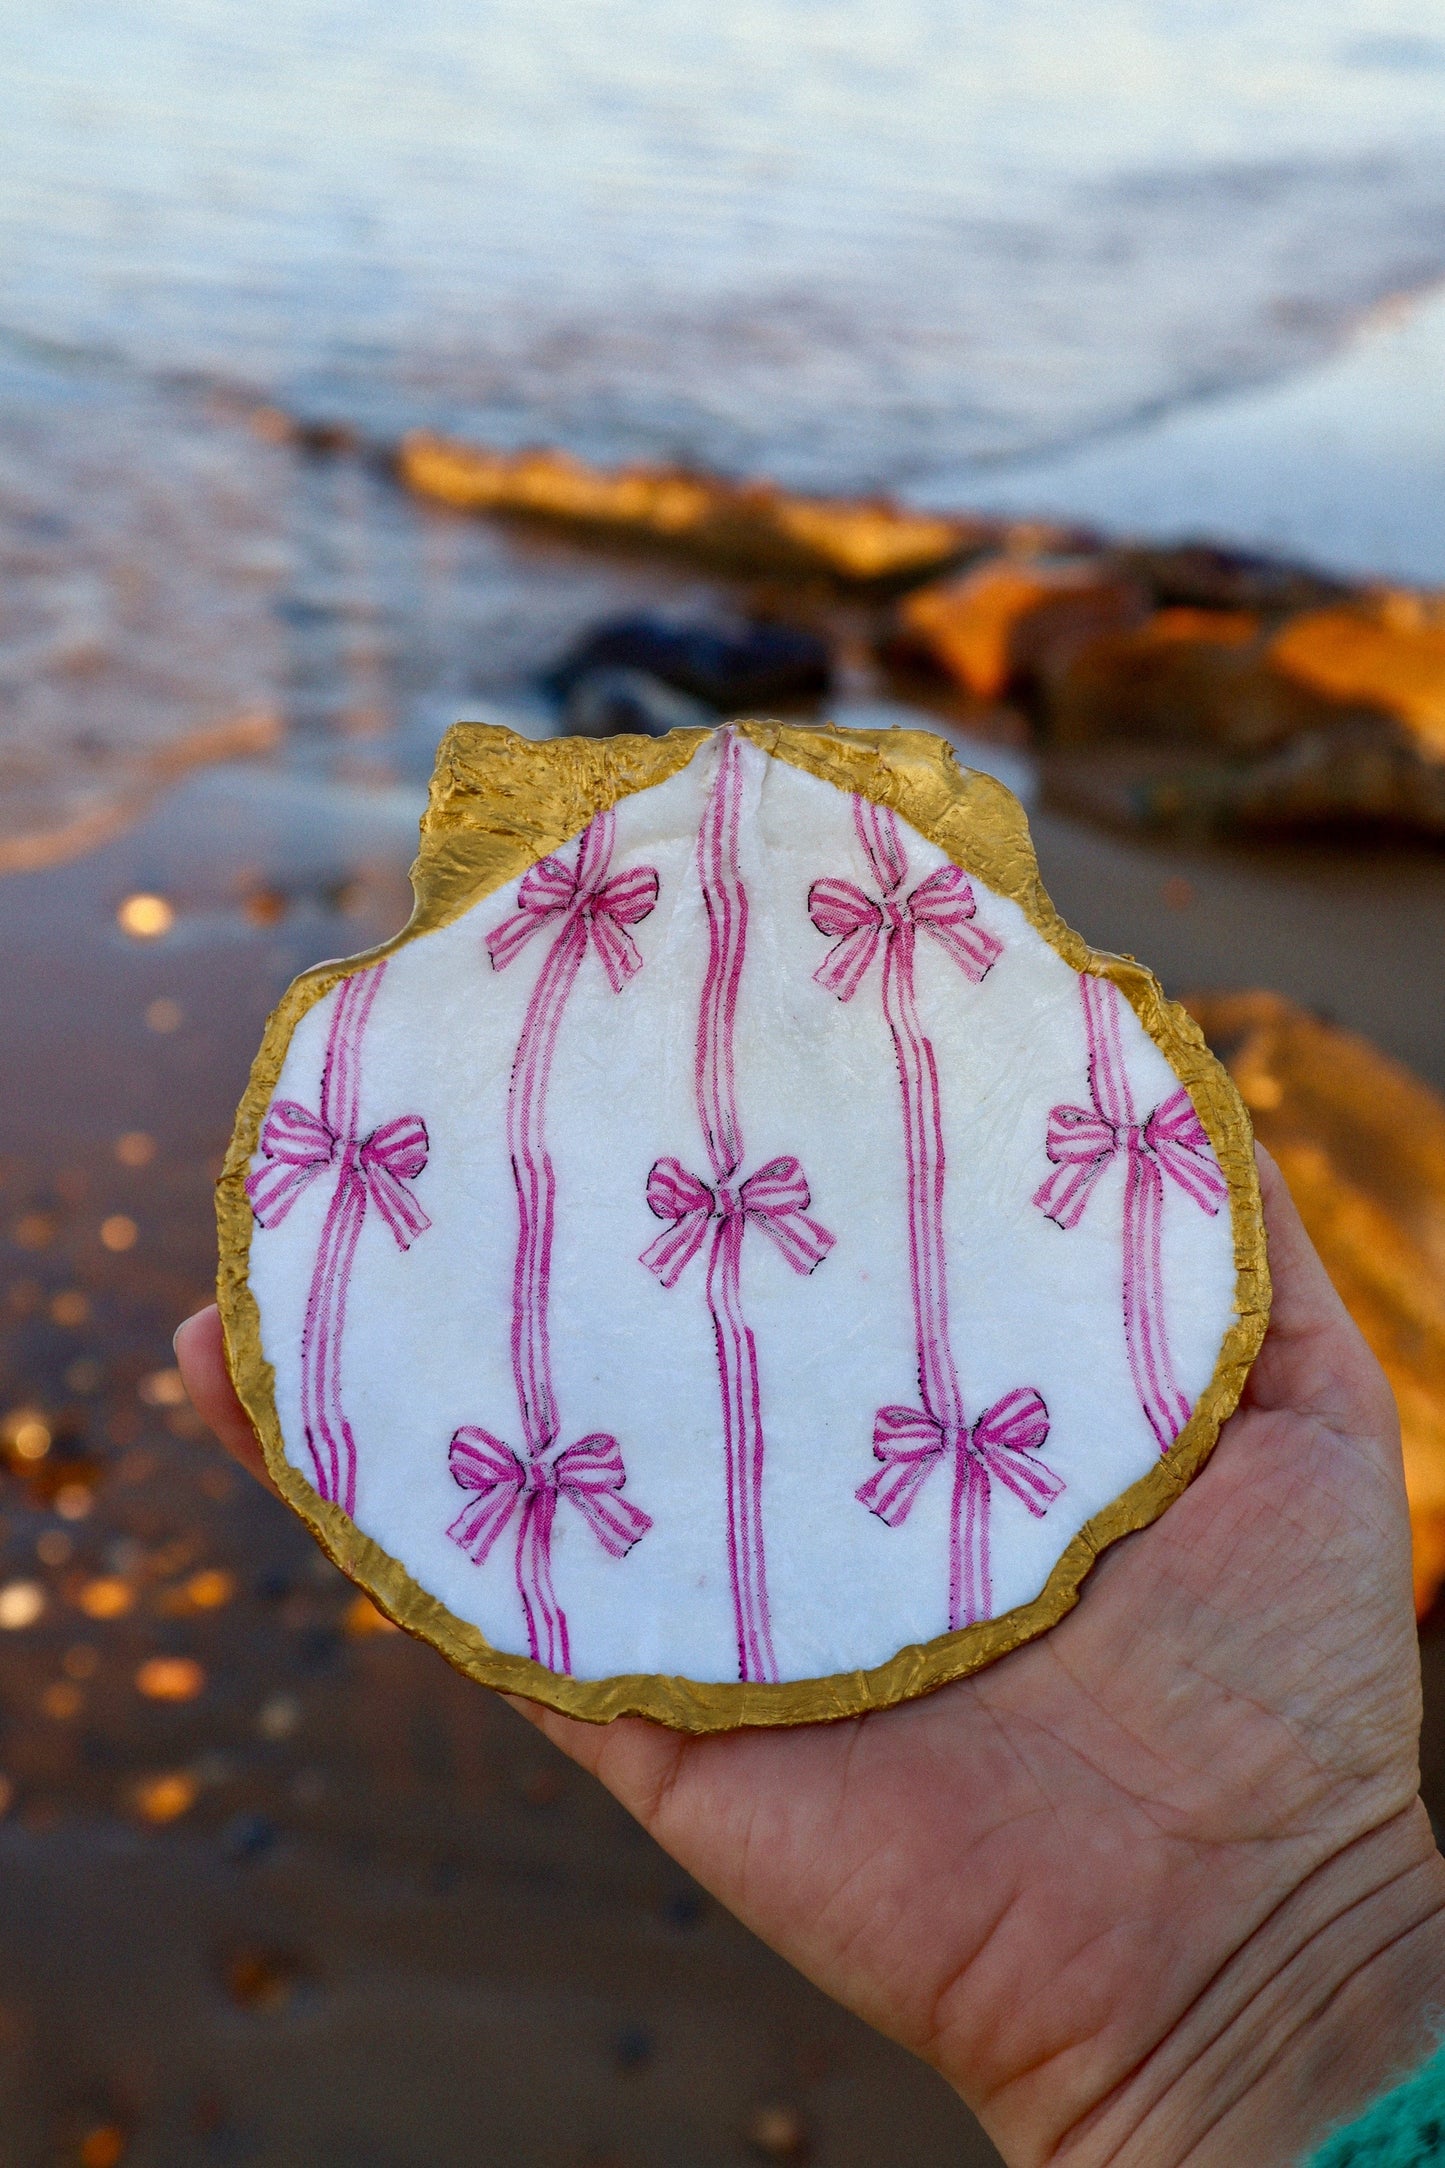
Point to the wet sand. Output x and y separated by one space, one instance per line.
384 1923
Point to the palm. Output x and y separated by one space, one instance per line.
1030 1876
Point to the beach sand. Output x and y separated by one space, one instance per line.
389 1925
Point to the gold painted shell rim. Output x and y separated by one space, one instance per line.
497 804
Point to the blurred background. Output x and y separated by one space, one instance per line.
1064 378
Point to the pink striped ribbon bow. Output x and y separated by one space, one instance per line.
1083 1143
910 1442
775 1197
1001 1446
585 903
584 906
299 1146
589 1475
943 905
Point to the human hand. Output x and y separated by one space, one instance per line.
1157 1887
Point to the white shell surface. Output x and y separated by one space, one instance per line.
427 1344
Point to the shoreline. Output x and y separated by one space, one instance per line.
670 539
1339 466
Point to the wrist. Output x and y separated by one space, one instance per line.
1336 1996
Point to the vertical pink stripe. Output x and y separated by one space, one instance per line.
970 1592
1108 1077
908 1442
744 1451
547 1635
726 903
774 1197
925 1172
535 1181
375 1170
1146 1337
341 1076
328 1434
536 1184
1150 1360
970 1579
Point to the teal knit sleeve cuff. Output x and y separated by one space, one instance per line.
1403 2129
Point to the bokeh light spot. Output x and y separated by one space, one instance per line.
165 1798
21 1604
162 1389
362 1617
210 1588
108 1596
103 2147
170 1678
27 1433
144 917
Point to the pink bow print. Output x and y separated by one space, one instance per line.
1002 1444
582 907
775 1198
552 890
588 1474
298 1146
856 923
1082 1143
910 1443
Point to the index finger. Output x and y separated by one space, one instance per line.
201 1359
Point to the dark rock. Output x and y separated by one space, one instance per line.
317 438
1361 1143
1350 780
1333 720
1197 575
730 667
1382 656
1013 624
614 703
748 527
1187 676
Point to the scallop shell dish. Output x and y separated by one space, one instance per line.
736 1256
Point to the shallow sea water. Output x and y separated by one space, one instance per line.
929 248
